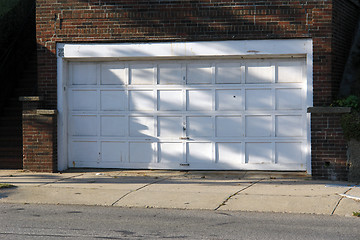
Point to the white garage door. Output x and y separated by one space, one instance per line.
196 114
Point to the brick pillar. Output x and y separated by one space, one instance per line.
328 144
39 137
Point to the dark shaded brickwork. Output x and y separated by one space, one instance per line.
39 141
329 147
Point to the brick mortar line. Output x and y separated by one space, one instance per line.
338 203
146 185
234 194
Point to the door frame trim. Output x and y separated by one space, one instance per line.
276 48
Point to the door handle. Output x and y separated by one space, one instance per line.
184 138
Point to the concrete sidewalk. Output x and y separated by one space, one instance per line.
225 190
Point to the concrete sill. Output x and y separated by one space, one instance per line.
40 112
329 110
30 99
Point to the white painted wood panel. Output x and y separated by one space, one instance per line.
112 100
83 100
199 73
199 126
229 153
228 100
259 152
170 74
199 100
259 99
200 153
170 100
83 74
260 71
188 114
141 100
142 74
229 126
113 74
113 126
170 153
83 125
170 126
228 72
113 152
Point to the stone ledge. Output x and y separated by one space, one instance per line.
40 112
31 99
330 110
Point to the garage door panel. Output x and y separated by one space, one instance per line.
83 100
141 152
228 100
83 73
83 125
228 73
170 152
112 100
259 99
228 126
170 127
289 153
199 126
113 126
199 100
258 153
199 153
141 100
113 151
260 72
199 73
84 151
141 126
188 114
170 100
291 71
258 126
170 74
142 74
289 126
289 99
229 153
113 74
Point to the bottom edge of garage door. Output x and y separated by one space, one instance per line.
263 167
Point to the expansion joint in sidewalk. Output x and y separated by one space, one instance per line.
132 191
337 204
234 194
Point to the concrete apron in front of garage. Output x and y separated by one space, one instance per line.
211 190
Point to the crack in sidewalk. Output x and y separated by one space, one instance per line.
146 185
234 194
59 180
338 203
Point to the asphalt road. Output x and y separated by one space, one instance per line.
94 222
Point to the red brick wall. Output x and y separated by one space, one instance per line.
144 20
39 142
329 147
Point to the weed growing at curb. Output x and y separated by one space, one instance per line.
356 214
6 185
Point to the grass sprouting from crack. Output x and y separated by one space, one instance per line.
356 214
6 185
